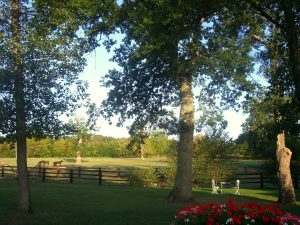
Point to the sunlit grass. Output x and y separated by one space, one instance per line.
87 204
98 162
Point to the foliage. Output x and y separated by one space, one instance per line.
159 142
231 213
163 40
168 47
143 177
94 146
51 63
212 159
155 143
274 107
258 144
7 150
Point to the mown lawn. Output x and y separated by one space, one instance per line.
89 204
97 162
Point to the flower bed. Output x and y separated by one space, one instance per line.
230 213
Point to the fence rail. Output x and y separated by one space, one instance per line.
121 176
107 175
263 179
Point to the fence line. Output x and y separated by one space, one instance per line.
107 175
121 176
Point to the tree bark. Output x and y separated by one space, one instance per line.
292 37
23 179
182 190
286 193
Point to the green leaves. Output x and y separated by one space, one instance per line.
53 48
163 41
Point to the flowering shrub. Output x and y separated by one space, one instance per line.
229 214
290 219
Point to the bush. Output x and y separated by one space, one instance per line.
143 177
212 160
7 151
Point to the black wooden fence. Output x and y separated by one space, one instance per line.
101 175
262 180
121 176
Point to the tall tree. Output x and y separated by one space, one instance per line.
42 53
82 130
287 21
17 70
281 63
169 46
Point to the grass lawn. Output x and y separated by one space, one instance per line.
98 162
87 204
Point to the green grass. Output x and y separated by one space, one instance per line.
125 162
97 162
86 204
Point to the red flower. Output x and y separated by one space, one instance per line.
265 219
237 220
230 213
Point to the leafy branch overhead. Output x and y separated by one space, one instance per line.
164 40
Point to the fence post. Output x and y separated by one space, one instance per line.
44 174
119 172
261 180
79 172
71 176
100 176
2 171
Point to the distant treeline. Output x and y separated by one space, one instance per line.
96 146
156 144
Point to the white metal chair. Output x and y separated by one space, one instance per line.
237 187
214 187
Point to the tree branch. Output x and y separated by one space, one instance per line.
266 15
260 40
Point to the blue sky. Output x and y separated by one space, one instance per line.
98 65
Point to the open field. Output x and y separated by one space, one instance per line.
152 162
97 162
84 204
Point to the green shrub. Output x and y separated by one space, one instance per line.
6 150
143 177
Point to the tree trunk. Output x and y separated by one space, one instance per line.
182 190
286 193
142 151
78 157
23 179
292 38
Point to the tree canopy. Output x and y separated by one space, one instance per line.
170 46
42 53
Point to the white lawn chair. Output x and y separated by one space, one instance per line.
237 187
214 187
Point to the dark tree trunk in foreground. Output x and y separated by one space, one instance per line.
286 193
182 190
23 179
292 37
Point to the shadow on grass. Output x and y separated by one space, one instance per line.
81 204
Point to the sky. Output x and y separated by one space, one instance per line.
98 65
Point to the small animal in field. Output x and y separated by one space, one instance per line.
57 163
42 164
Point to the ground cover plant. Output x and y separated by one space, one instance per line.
81 204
